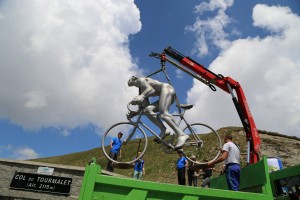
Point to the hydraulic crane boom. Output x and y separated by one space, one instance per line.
228 85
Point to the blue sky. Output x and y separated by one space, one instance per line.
64 65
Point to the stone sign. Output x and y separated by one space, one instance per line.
41 183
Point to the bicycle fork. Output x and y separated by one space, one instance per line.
136 124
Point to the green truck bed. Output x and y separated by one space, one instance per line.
256 184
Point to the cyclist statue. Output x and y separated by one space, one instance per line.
149 87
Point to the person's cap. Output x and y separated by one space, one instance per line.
120 133
180 151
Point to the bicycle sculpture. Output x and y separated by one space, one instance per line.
195 139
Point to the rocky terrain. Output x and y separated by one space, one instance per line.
285 148
273 144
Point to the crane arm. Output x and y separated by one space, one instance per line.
228 85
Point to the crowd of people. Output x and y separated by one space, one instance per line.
185 168
230 155
115 153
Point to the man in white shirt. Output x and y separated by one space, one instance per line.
231 157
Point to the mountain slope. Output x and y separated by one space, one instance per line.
160 166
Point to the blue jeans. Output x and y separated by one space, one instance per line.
233 176
137 175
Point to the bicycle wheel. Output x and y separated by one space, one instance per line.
137 142
204 143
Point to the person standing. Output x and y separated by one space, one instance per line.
181 167
231 157
207 173
115 150
192 174
139 168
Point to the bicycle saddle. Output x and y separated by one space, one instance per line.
186 106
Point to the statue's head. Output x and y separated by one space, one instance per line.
131 81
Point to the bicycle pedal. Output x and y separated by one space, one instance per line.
157 140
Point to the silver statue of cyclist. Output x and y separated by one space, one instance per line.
149 88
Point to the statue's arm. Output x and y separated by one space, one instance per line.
147 89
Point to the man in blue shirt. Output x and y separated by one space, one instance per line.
139 168
115 150
182 163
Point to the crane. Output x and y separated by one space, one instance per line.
228 85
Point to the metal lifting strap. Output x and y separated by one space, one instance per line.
154 73
156 55
196 76
163 69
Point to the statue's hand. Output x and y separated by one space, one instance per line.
131 114
138 100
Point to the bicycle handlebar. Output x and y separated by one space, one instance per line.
128 107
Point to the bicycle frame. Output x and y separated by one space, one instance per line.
188 125
139 122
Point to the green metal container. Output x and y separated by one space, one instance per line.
256 184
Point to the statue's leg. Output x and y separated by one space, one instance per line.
166 99
151 112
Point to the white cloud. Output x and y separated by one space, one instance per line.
35 99
211 31
268 70
24 154
213 5
21 153
271 20
179 74
65 132
66 63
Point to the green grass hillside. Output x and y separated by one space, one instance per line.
159 166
